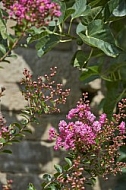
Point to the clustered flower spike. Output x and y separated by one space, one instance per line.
34 12
80 133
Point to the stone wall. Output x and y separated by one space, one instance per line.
34 155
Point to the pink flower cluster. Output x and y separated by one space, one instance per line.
81 133
84 131
34 12
5 131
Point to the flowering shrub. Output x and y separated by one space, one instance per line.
92 143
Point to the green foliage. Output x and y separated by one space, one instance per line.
31 187
101 27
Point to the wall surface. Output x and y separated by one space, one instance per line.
34 155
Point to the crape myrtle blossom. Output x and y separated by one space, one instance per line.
122 127
33 12
85 130
93 143
80 133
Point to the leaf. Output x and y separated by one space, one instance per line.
37 36
2 140
46 44
68 13
7 151
99 35
3 29
2 49
31 187
93 3
90 15
80 28
79 7
88 72
47 177
121 38
79 59
120 10
58 168
113 96
109 8
27 131
69 162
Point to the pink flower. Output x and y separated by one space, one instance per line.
122 127
102 118
96 126
52 133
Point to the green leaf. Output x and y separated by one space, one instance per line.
7 151
27 131
47 177
114 94
68 13
90 15
2 140
69 162
46 44
31 187
121 38
3 29
99 35
79 7
122 157
37 36
94 3
80 28
92 71
58 168
2 49
79 59
109 8
120 10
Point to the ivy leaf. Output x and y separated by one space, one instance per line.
79 7
99 35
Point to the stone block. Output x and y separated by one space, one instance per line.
27 157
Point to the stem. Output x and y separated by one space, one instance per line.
69 29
